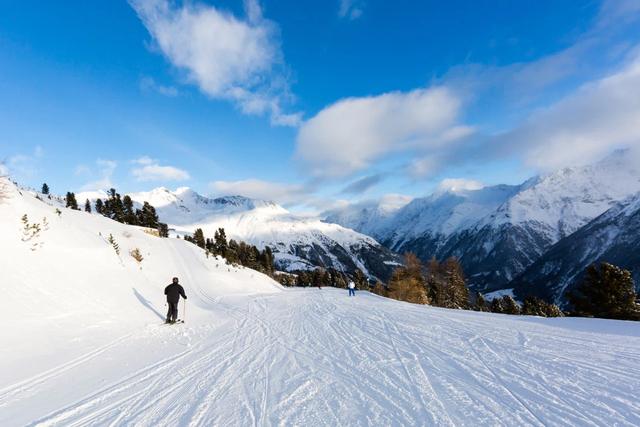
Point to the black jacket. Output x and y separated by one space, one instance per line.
173 292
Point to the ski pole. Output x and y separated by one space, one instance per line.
184 309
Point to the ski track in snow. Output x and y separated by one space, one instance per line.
318 357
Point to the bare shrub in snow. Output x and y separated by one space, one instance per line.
31 231
135 254
114 244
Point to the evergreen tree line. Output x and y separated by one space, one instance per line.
531 306
321 277
120 209
607 291
234 252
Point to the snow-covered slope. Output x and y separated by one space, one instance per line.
317 357
297 242
613 237
67 280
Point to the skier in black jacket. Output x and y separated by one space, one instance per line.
173 293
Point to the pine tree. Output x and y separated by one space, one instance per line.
497 306
607 292
100 206
45 188
266 260
509 305
128 214
220 242
71 202
456 289
435 283
534 306
87 206
481 303
163 229
198 238
232 251
148 217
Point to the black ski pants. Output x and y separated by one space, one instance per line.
172 313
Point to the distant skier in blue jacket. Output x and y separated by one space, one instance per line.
352 288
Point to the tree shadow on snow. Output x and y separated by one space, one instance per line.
147 303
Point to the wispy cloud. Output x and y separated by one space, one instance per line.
103 175
148 84
149 169
232 58
23 165
361 185
350 9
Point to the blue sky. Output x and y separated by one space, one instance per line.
313 104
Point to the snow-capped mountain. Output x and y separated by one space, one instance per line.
613 237
297 242
499 231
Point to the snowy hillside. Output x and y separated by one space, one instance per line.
298 243
67 280
499 231
84 344
612 237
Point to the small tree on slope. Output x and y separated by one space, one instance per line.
70 200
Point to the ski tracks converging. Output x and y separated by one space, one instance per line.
317 357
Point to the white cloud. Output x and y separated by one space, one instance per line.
394 201
150 170
237 59
458 184
600 116
105 169
352 133
286 194
350 9
148 84
23 166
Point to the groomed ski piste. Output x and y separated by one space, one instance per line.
83 343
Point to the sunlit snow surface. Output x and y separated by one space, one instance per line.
318 357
